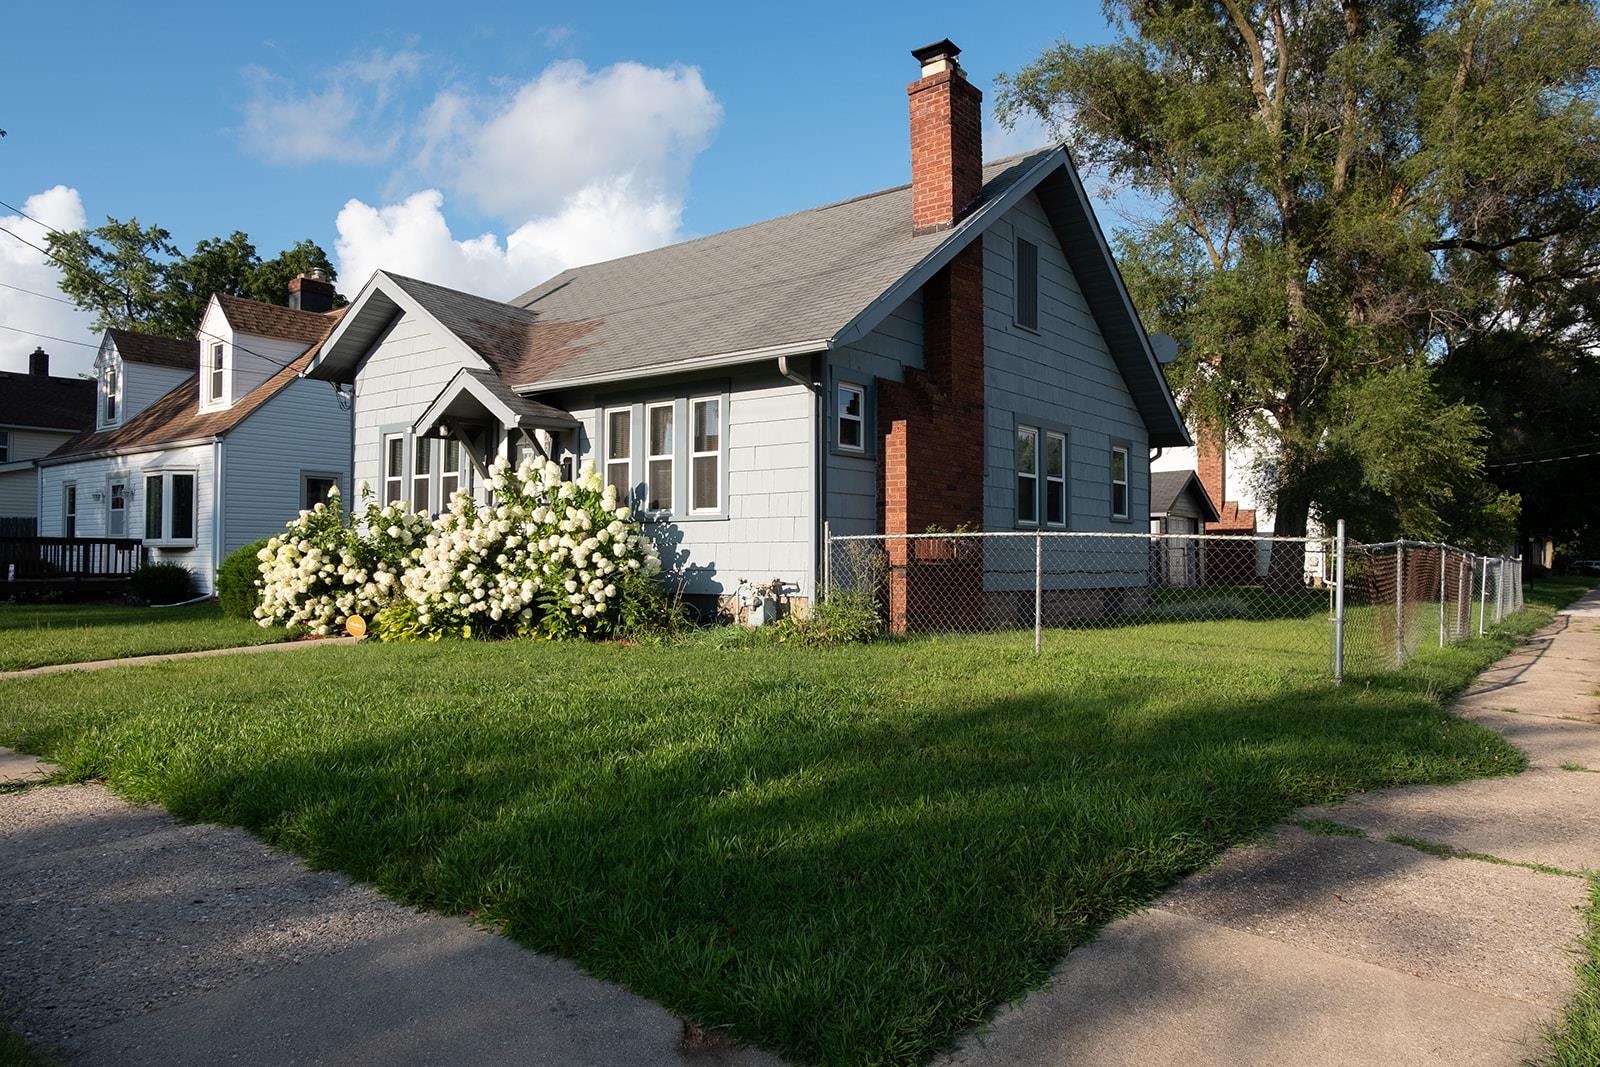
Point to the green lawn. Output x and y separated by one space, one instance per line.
844 854
33 635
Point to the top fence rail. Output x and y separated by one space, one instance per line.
1333 603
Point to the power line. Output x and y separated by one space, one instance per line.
85 272
34 292
47 337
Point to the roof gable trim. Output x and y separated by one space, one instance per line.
338 361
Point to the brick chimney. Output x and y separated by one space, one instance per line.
946 139
311 292
39 363
931 424
1211 460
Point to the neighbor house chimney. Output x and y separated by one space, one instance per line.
39 363
311 292
946 139
1211 459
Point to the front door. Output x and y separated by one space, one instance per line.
117 510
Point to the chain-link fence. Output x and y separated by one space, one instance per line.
1366 606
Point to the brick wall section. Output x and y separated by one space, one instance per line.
1211 462
932 447
946 149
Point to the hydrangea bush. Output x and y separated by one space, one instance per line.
330 564
550 557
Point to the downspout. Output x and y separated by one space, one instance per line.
819 483
218 512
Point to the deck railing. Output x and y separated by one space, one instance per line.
69 559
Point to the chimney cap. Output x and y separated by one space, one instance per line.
930 55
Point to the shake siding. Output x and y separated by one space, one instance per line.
93 475
398 380
302 429
852 482
767 530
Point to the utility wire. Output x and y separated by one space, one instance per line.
85 272
46 337
35 292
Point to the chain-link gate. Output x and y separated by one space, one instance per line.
1366 606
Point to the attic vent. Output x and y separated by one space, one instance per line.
1027 284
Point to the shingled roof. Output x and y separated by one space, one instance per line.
176 416
271 320
161 351
1167 486
48 403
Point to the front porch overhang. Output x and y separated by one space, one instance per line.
476 398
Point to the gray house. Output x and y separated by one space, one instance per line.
956 351
1179 505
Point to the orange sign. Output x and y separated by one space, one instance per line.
355 626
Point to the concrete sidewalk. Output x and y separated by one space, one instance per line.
130 938
1311 948
162 657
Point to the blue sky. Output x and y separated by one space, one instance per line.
394 137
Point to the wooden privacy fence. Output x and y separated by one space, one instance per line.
68 560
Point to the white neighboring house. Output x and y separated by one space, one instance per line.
203 446
37 413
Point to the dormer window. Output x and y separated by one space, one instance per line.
214 373
110 388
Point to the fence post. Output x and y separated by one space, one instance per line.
1483 599
1442 558
1399 603
827 561
1338 606
1038 590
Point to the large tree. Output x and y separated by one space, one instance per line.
1346 191
133 277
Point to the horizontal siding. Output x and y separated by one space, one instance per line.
302 429
1061 377
19 493
145 383
31 444
768 529
94 475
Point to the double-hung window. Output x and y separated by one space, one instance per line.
214 373
1119 482
314 489
1055 479
619 452
169 507
705 457
69 510
451 469
422 474
1027 476
852 418
658 456
1027 284
394 468
109 383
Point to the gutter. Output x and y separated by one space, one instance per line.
131 450
661 370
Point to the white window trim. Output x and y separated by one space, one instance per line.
841 418
113 480
457 474
428 477
1033 475
716 453
383 466
110 393
625 494
166 540
1055 441
670 456
69 491
216 391
1127 501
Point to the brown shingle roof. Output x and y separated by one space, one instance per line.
40 400
177 415
270 320
162 351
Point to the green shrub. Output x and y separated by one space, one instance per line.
846 619
238 591
161 583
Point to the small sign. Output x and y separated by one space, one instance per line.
355 626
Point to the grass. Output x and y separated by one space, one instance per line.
34 635
844 854
1449 852
15 1052
1574 1041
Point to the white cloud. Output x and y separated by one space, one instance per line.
526 153
352 118
601 221
58 208
582 165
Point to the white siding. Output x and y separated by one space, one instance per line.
396 382
247 359
19 480
145 383
768 529
93 475
301 430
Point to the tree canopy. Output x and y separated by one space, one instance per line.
1348 192
131 276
